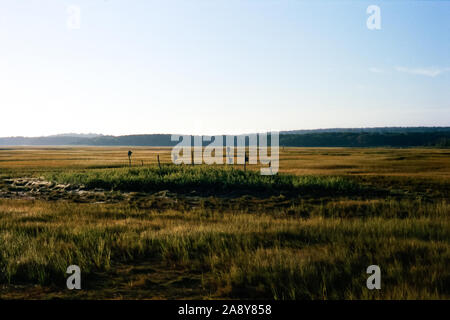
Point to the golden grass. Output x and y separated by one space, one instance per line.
426 163
275 248
252 255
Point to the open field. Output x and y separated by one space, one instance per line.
218 232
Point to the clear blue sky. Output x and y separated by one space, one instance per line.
225 66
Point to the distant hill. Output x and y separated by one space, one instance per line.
338 137
79 135
154 140
53 140
90 140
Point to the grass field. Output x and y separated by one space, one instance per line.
218 232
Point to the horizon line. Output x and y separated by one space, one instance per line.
72 134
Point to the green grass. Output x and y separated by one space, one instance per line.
205 179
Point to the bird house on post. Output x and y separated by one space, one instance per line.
245 161
129 157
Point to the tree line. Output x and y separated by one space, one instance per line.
438 138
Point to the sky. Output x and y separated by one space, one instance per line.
221 67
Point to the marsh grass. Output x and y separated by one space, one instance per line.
212 179
317 228
244 255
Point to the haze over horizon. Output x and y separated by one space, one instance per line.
92 135
211 67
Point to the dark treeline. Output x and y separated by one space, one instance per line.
411 138
366 139
371 130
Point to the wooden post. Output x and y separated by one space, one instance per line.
159 163
245 161
129 157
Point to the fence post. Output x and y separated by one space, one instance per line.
159 163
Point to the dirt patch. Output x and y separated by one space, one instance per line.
39 189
